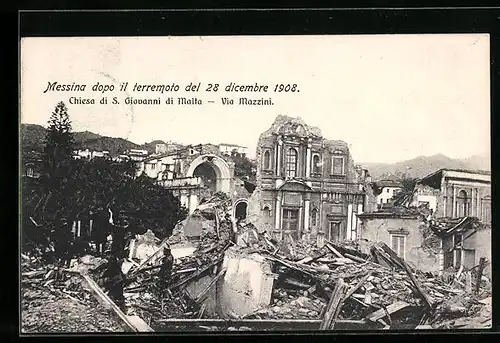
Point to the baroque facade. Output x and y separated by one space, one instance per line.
306 185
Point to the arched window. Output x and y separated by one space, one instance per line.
291 163
314 217
267 160
266 211
462 204
316 165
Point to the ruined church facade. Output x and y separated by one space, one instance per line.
306 185
191 173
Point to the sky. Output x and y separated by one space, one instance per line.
390 97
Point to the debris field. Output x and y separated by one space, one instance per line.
335 286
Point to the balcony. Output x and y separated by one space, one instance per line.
185 182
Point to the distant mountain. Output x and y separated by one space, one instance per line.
424 165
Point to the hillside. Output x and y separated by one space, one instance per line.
424 165
33 139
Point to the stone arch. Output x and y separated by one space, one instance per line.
240 208
220 168
294 185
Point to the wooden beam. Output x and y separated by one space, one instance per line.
333 307
106 299
417 286
204 292
360 283
381 313
333 250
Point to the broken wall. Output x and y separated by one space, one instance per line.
260 211
483 249
196 287
247 284
416 253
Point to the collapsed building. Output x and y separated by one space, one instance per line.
232 277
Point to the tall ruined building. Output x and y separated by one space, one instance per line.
306 184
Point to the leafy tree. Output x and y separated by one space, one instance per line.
74 190
403 198
408 183
243 166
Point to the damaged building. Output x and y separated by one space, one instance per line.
464 241
307 185
196 172
385 190
456 193
406 232
445 223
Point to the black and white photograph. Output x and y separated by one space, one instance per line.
255 183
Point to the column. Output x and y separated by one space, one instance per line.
278 158
193 202
308 160
444 206
306 215
479 206
444 194
299 223
454 205
471 210
352 234
277 213
360 210
349 220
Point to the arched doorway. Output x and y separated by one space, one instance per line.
214 172
207 175
240 210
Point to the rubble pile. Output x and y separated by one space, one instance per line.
153 300
379 289
360 283
56 299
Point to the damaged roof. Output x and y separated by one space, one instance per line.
387 183
397 212
446 226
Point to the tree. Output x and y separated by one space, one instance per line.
403 198
79 190
408 183
243 167
59 142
